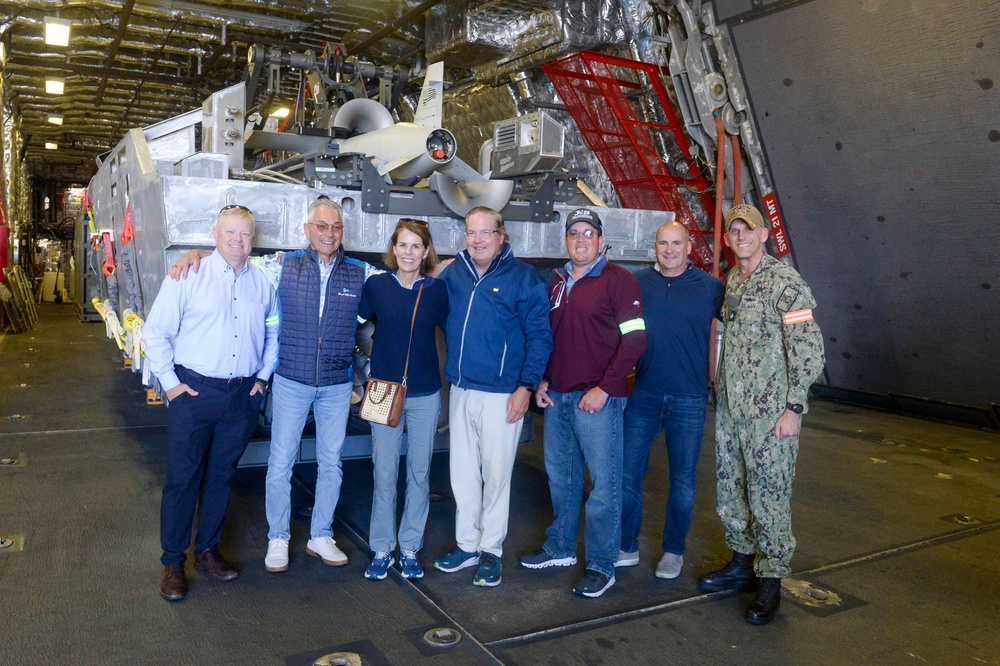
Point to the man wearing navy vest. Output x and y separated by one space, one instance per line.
320 292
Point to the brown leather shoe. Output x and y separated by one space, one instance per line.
212 562
174 585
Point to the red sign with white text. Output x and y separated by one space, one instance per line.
777 226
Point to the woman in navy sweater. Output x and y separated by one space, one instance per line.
388 299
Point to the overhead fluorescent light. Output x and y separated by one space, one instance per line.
55 119
51 146
55 86
57 31
280 113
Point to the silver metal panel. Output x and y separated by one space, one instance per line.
172 125
172 147
222 123
204 165
880 124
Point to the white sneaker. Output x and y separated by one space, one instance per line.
325 548
669 566
277 555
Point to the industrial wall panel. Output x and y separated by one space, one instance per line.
726 8
881 121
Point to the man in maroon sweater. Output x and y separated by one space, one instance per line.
598 334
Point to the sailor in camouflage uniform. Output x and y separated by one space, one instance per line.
772 353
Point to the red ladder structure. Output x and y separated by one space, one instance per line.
601 93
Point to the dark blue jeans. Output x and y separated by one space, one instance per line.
574 438
682 418
206 437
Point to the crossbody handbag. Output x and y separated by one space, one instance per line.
383 401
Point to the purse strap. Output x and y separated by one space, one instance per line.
413 320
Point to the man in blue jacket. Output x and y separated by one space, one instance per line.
499 341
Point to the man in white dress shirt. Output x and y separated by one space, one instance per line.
212 342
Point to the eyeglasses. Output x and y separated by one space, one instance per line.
482 233
586 233
226 209
324 228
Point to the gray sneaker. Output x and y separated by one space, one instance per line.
669 566
627 559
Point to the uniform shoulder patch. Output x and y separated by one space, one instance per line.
787 299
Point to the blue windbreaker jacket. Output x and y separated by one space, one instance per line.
498 329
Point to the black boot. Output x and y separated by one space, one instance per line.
737 575
765 604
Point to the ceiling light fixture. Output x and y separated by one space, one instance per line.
55 119
55 86
57 31
51 146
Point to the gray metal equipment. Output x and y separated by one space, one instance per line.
527 144
378 170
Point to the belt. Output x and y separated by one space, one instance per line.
214 381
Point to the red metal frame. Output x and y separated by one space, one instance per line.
598 100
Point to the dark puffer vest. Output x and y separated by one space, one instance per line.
310 352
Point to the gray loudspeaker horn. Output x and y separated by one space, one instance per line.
363 115
462 196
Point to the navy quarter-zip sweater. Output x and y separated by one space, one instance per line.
678 313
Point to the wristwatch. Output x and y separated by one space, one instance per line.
795 407
527 385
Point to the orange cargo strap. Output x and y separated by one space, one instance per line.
109 257
127 233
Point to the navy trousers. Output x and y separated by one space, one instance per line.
206 436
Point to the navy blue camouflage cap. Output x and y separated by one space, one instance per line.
585 215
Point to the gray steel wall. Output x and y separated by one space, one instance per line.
881 121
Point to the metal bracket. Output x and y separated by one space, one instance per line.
374 190
542 200
335 169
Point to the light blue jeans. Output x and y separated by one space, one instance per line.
420 417
573 438
291 402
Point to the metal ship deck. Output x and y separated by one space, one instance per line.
897 521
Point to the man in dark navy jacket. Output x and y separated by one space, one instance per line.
671 389
499 340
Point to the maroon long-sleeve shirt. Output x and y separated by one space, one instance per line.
597 329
